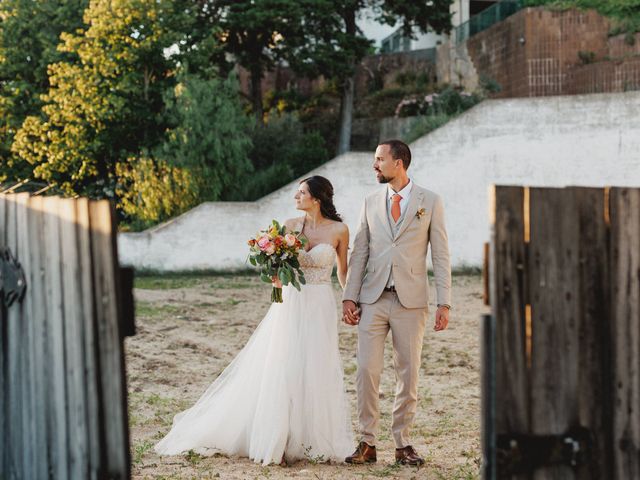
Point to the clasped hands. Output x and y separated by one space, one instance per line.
351 315
350 312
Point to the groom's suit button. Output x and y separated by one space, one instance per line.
393 244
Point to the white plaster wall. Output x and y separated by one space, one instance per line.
590 140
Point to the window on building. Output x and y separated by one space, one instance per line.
477 6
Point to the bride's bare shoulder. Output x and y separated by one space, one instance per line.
293 223
340 227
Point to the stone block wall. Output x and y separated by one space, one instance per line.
539 52
606 76
530 53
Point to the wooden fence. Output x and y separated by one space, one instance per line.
565 296
63 410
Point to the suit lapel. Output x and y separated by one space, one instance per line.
414 201
383 216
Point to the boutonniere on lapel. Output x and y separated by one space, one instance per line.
420 213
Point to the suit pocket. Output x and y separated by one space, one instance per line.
419 270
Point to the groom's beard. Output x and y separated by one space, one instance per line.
383 179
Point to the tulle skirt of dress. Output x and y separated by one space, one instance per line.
282 393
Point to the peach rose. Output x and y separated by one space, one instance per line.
270 249
290 239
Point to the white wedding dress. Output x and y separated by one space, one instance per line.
284 392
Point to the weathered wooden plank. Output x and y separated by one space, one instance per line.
110 338
96 439
488 388
508 307
625 284
3 218
25 327
16 465
74 319
57 422
593 300
4 385
38 314
485 274
554 285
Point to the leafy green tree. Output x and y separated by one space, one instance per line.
106 102
258 33
29 34
210 134
334 44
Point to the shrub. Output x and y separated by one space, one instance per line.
424 125
448 102
282 151
153 191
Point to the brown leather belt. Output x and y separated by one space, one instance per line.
390 289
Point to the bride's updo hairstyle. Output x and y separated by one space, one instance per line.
321 189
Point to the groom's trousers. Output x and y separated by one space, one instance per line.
407 327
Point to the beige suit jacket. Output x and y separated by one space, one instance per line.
377 252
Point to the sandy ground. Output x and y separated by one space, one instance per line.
190 328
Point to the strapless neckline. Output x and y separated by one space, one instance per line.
318 245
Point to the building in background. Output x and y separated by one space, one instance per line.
389 39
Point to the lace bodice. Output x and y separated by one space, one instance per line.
317 263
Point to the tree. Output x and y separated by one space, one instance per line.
29 34
210 136
258 34
335 45
106 103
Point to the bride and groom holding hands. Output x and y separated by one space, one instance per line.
282 398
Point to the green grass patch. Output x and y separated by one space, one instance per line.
139 450
467 471
235 284
149 309
151 280
168 282
390 470
193 458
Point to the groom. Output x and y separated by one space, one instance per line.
388 279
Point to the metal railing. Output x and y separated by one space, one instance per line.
483 20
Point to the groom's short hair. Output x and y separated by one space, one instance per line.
399 150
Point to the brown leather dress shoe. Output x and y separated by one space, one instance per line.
364 453
408 456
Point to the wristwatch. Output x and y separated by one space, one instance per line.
448 307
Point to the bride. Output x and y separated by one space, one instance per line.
282 398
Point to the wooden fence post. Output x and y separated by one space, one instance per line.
625 286
508 308
62 379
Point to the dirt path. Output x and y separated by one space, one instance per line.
190 328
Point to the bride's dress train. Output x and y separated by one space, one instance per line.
284 392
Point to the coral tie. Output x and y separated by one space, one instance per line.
395 207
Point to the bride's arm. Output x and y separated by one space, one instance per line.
343 247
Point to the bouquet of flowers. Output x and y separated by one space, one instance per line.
276 253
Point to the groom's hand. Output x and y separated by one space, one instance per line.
350 312
442 319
